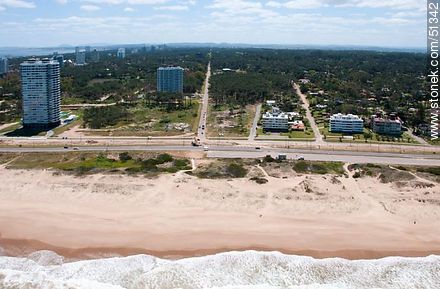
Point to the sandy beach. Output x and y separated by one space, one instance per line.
178 215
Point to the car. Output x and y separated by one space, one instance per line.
299 158
75 148
205 148
66 147
257 148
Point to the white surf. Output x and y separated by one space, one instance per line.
232 270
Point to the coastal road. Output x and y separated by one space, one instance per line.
253 132
252 152
306 106
201 132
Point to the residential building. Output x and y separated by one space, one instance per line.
59 58
40 85
298 125
275 120
95 56
121 53
390 126
170 79
80 56
270 102
4 65
346 123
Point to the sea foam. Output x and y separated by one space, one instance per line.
232 270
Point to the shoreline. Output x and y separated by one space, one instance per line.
22 248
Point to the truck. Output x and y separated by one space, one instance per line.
196 142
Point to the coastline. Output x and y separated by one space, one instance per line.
178 216
23 248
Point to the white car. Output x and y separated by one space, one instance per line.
205 148
299 158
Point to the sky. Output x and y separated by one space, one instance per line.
388 23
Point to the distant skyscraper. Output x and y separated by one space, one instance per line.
170 79
95 56
4 66
88 49
59 58
121 53
81 58
77 49
40 86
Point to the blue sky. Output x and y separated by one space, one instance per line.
31 23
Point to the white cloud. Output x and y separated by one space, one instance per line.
310 4
296 4
129 2
16 4
90 8
172 7
62 2
129 9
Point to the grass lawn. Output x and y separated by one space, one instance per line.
10 128
360 138
308 134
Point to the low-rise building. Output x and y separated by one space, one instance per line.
298 125
346 123
389 126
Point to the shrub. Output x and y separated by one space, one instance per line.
236 170
125 156
164 158
356 175
268 159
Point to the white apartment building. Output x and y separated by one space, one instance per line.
346 123
40 84
275 121
121 53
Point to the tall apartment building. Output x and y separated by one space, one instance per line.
170 79
121 53
346 123
80 58
390 126
94 56
4 66
40 85
59 58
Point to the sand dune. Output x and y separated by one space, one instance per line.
180 215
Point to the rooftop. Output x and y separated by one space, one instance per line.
340 116
37 61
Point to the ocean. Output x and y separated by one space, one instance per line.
231 270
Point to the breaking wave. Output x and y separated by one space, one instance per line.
232 270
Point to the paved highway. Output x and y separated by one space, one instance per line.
201 132
252 152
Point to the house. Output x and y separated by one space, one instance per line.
298 125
